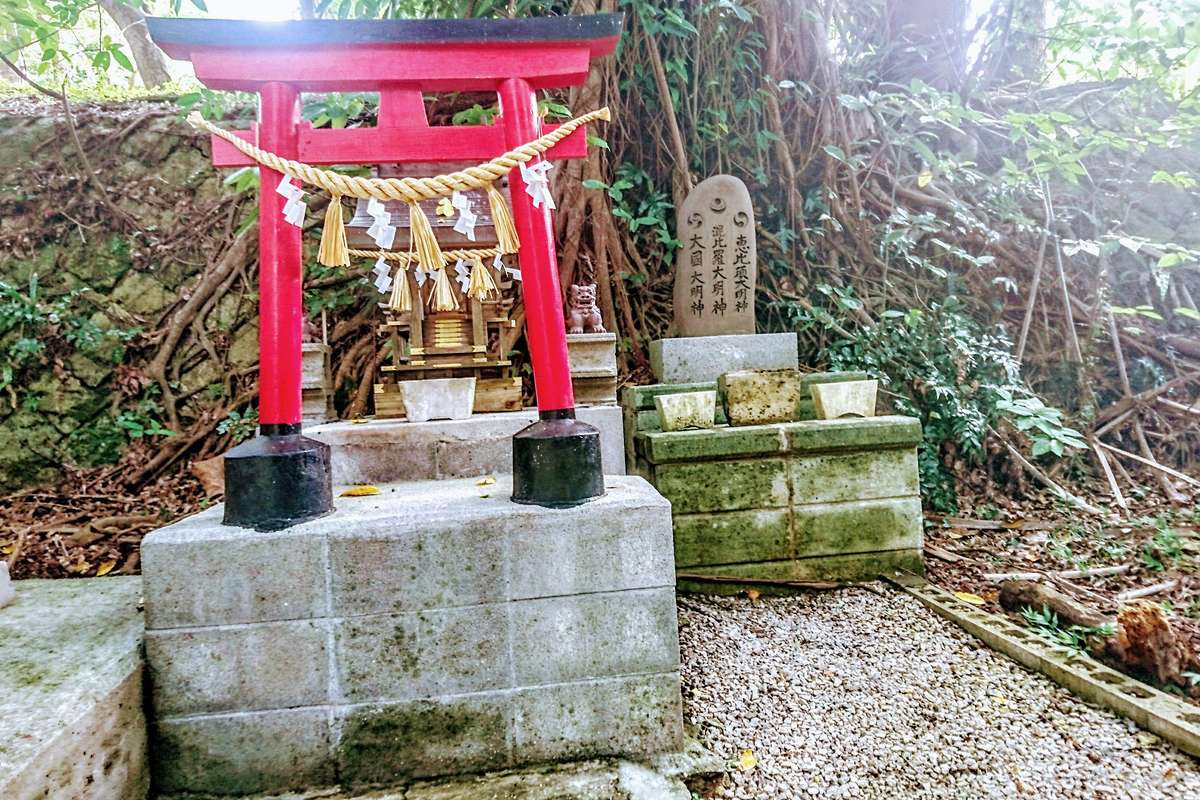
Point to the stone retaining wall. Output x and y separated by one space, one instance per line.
816 499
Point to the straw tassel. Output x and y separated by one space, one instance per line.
401 301
482 284
506 231
442 298
429 253
334 252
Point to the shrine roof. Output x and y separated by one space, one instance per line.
180 37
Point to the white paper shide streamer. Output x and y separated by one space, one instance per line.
383 275
466 215
382 231
502 268
294 209
462 274
537 183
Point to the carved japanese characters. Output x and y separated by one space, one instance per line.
716 267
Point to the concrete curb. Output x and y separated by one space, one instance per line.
1158 712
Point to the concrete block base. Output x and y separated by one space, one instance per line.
436 628
392 450
700 359
71 719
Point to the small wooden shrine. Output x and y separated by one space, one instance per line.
472 340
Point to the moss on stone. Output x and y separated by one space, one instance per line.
854 475
713 443
848 568
732 537
861 526
641 398
871 433
724 485
388 744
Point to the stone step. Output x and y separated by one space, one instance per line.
660 778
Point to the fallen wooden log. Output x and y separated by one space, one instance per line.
1146 591
1021 594
944 555
1143 641
1098 572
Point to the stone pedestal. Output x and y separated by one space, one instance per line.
436 628
386 450
316 384
702 359
593 358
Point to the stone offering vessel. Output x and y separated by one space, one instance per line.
584 313
717 265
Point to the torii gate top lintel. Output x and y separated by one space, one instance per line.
450 55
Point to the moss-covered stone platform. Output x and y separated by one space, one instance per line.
808 500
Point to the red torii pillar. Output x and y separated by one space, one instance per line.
281 477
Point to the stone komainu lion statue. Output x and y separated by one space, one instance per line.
585 314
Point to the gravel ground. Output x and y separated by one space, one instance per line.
864 693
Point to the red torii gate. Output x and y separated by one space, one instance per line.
281 477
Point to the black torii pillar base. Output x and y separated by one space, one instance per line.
556 462
277 479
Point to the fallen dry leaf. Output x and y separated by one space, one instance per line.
1147 739
967 597
488 481
211 474
360 491
106 567
747 760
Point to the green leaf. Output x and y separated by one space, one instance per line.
122 59
835 151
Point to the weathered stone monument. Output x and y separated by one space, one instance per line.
715 278
715 269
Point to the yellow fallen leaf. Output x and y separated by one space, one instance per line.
488 481
967 597
484 496
445 208
753 594
746 760
106 567
360 491
359 421
999 700
924 179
